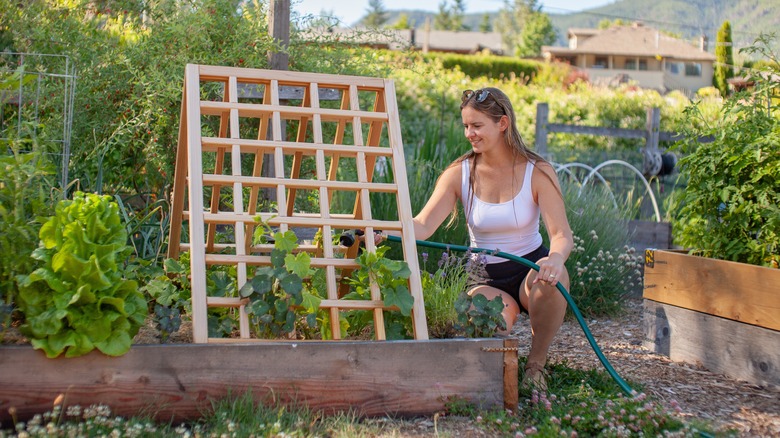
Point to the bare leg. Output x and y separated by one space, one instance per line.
546 309
511 308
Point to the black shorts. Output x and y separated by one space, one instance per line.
509 275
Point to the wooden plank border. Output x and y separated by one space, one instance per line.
177 382
737 291
741 351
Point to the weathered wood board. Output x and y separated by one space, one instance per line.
738 350
737 291
179 381
650 234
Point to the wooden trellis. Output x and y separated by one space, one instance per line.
234 116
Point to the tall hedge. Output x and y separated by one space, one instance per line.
494 67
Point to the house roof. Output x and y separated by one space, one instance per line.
634 40
450 41
437 40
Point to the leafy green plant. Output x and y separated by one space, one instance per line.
25 194
729 208
392 279
147 224
443 287
479 317
78 299
277 291
167 289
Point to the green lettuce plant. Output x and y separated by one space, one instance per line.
78 299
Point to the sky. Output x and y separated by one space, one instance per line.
350 11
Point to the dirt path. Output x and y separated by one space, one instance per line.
724 402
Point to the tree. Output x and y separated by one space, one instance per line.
485 26
607 23
402 22
458 13
537 32
376 14
443 19
450 17
524 27
724 59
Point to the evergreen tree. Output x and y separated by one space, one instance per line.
376 14
443 19
724 59
485 26
458 14
450 17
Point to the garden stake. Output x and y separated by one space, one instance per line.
610 370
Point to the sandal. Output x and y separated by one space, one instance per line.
535 377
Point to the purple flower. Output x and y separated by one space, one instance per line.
425 257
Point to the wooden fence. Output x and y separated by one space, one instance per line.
652 134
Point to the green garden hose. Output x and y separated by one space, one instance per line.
623 385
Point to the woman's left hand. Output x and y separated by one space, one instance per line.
551 268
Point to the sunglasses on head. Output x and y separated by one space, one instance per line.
479 95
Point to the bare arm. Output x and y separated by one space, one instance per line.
547 193
440 204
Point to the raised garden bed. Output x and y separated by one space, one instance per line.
721 314
179 381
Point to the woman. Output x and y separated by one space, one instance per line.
504 188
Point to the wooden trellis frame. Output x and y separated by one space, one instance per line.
232 113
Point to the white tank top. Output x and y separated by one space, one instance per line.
511 227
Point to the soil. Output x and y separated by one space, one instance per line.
727 405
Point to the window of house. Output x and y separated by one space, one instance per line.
642 64
630 64
600 62
673 67
692 69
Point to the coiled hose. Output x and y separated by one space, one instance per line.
610 370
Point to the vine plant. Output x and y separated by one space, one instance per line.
279 291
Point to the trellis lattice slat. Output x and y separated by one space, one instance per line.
286 140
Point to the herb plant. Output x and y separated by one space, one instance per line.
78 300
443 288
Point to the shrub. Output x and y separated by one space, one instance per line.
729 208
602 267
26 182
491 66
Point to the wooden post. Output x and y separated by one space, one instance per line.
652 157
279 27
511 395
540 142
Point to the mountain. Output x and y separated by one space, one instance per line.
688 19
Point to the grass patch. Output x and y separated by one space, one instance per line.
579 403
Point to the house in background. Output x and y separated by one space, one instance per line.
637 53
425 40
